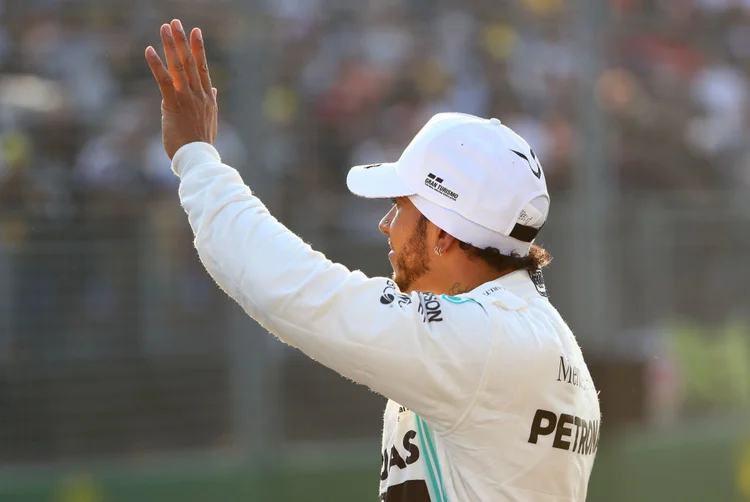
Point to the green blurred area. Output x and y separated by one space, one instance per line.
700 462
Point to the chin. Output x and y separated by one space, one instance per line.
404 287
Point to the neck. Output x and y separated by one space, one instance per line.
442 283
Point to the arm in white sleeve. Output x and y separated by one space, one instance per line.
423 352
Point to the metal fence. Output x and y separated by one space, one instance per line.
124 348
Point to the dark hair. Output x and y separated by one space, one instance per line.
537 258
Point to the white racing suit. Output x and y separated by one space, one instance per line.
489 396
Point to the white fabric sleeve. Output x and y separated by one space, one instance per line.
422 351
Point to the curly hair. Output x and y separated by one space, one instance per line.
537 258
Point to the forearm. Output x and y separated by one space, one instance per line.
252 257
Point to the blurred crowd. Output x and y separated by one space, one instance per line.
349 83
353 85
340 84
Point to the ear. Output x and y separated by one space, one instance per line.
446 241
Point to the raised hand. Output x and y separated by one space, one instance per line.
189 111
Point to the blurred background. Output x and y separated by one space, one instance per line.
126 375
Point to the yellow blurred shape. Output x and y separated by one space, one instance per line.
543 7
79 487
280 104
743 472
16 148
499 40
714 363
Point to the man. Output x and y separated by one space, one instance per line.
490 398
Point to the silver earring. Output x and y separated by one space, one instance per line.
438 251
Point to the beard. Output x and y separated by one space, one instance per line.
412 261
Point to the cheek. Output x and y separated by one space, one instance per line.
397 234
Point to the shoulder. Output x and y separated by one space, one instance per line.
520 318
496 296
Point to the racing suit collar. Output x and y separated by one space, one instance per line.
523 283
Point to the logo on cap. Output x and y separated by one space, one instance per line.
436 183
536 172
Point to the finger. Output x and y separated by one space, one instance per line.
186 56
199 53
174 63
166 84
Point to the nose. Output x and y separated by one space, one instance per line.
385 224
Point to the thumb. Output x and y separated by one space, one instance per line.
214 92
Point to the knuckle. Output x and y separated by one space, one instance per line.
190 62
165 80
167 106
204 67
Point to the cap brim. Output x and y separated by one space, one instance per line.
377 181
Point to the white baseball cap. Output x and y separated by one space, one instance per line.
473 177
